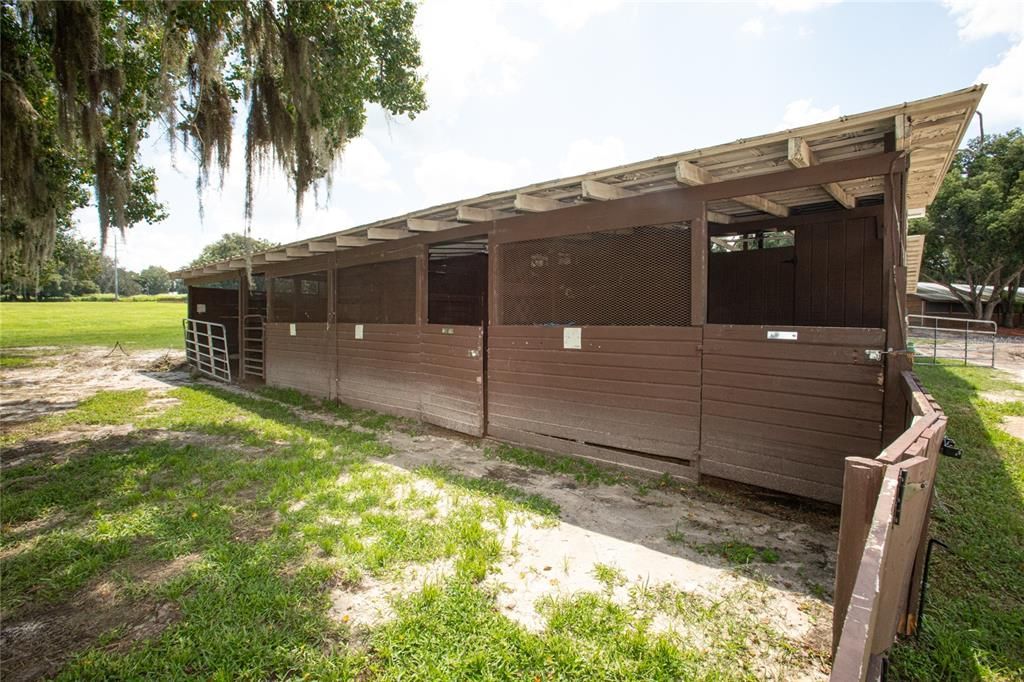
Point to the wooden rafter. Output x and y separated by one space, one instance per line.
300 251
801 156
424 225
601 191
691 174
386 233
531 204
346 242
323 246
473 214
277 257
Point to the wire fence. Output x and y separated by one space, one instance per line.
940 340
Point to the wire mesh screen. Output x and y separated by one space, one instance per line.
636 276
378 293
299 298
457 290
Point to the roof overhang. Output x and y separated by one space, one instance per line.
929 131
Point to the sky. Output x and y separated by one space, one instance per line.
521 92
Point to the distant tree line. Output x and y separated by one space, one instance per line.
78 268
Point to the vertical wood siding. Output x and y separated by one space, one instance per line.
628 392
785 414
305 361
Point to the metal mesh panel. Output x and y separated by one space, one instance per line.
299 298
636 276
378 293
457 290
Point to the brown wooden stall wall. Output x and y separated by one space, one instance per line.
628 392
453 377
751 287
831 277
305 361
381 371
785 414
839 273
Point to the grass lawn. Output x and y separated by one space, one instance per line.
218 539
134 324
973 624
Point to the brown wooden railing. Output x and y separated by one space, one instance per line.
883 537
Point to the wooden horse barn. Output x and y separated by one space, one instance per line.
735 311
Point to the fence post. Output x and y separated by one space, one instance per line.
862 479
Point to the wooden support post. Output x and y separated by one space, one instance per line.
894 303
861 482
422 278
698 271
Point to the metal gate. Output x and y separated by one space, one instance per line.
937 339
206 348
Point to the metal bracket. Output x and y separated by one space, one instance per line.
949 448
904 491
873 355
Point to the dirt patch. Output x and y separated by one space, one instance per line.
371 601
1013 426
38 644
652 537
64 380
1003 396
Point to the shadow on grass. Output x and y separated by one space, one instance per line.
973 626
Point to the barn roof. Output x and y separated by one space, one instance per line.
930 130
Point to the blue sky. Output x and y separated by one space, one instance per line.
528 91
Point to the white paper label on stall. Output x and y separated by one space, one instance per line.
359 331
572 338
200 307
291 329
782 336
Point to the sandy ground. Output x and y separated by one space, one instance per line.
624 526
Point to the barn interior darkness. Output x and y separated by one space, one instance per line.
457 283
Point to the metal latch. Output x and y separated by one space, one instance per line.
904 491
949 448
873 355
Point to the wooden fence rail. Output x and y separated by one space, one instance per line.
883 536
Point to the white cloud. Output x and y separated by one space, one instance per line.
571 15
365 167
588 155
790 6
468 49
1004 99
754 27
802 112
455 174
977 19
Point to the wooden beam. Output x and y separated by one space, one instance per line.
690 174
297 251
602 191
721 218
801 156
347 242
424 225
386 233
237 263
277 257
221 267
472 214
322 247
259 259
531 204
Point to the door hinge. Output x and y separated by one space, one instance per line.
905 491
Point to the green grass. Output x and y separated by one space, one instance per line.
581 470
136 325
103 408
274 510
973 626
